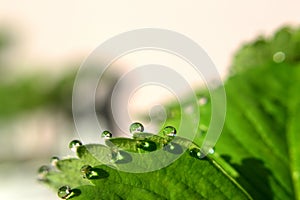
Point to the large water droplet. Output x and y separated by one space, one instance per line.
65 192
106 135
42 172
196 153
279 57
54 161
136 127
169 131
74 145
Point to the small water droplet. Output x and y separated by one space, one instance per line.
136 127
106 135
54 161
169 131
65 192
202 101
279 57
196 153
211 151
42 172
74 145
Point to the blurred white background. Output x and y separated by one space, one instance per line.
53 33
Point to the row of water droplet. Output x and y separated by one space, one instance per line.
88 172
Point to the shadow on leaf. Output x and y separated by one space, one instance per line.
254 177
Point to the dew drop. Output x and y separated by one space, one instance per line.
211 151
74 145
42 172
279 57
169 131
65 192
54 161
89 172
196 153
136 127
106 135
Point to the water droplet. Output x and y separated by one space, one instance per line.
169 131
146 145
42 172
279 57
65 192
89 172
106 135
211 151
54 161
74 145
136 127
196 153
202 101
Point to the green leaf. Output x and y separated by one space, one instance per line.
257 156
259 145
175 182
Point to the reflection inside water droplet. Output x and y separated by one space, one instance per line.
136 127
